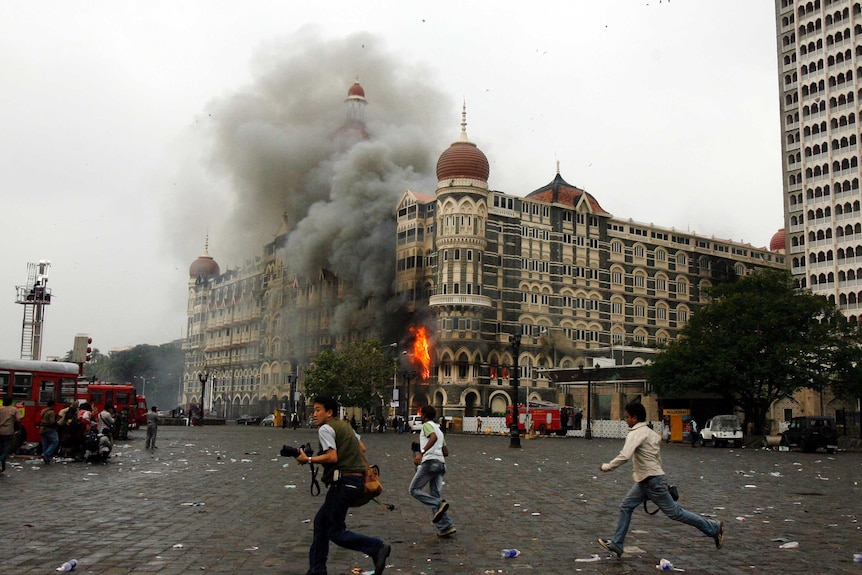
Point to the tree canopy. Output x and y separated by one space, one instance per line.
757 341
358 376
160 366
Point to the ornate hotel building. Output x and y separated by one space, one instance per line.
475 267
820 64
553 267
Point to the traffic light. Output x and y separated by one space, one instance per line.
81 350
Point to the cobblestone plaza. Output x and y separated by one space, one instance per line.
221 500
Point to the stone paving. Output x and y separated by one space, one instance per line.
221 500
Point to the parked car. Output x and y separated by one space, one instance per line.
415 422
248 420
722 430
810 433
268 421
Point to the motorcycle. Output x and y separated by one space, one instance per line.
97 446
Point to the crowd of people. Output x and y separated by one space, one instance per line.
77 431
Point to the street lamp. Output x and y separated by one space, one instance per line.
515 440
407 375
144 387
203 377
291 380
588 433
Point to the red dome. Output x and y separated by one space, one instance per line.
356 91
204 266
778 241
463 160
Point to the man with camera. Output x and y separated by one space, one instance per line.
342 456
642 447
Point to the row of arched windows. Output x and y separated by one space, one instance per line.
837 144
837 166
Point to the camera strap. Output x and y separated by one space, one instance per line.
315 485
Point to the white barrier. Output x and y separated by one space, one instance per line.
601 428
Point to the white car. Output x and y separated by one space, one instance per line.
722 430
268 421
415 422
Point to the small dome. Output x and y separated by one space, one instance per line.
463 159
356 91
778 241
204 266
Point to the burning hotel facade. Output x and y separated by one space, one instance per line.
475 267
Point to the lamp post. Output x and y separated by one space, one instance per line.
515 440
407 375
588 433
144 387
203 377
291 381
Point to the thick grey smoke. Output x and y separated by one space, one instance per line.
275 145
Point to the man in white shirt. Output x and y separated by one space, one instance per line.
431 467
642 447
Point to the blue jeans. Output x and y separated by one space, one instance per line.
329 525
50 442
431 473
655 489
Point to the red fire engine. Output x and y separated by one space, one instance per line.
545 417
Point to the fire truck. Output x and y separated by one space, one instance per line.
545 417
120 395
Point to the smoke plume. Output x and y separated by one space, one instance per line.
275 146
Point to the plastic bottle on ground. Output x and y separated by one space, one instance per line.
665 565
68 565
509 553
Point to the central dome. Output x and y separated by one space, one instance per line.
463 159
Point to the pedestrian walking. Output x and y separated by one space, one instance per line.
342 454
431 467
692 431
48 432
152 427
9 418
642 447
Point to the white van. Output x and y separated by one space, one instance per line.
722 430
415 422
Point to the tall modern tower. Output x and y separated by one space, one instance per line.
820 64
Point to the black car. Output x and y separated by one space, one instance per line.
248 420
810 433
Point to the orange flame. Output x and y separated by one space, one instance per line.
421 353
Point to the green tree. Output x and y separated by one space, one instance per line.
847 382
758 340
161 366
357 376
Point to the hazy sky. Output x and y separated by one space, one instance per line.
130 130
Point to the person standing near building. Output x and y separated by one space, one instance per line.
9 416
642 447
692 431
342 454
431 467
152 427
48 432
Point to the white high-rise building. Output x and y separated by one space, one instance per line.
820 63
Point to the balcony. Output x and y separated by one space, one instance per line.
460 300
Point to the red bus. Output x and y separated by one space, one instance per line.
32 383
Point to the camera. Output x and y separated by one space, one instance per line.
290 451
